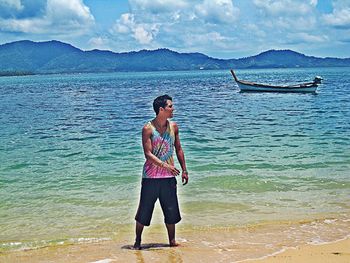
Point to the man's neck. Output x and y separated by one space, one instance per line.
162 122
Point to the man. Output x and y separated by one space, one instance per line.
159 138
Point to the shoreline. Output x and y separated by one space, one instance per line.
337 252
109 252
255 244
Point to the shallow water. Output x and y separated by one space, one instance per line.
71 155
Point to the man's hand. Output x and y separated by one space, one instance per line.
172 169
184 177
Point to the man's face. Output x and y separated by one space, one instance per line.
169 108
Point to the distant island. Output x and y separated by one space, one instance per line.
28 57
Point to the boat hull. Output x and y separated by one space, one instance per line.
306 89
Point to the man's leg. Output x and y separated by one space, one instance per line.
149 195
138 230
169 203
171 235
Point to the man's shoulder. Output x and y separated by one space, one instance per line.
174 125
147 127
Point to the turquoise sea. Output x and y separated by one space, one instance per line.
71 155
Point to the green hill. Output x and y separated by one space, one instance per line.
27 57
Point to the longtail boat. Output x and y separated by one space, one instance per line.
301 87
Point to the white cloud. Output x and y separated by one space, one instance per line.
158 6
173 20
212 37
212 27
60 17
285 7
34 26
143 33
255 31
291 24
313 2
340 18
217 11
14 4
220 27
308 38
279 17
124 24
339 4
99 42
68 9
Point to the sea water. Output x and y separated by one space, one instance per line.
71 154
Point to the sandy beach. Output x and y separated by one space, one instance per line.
337 252
204 246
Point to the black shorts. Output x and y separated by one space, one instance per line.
165 190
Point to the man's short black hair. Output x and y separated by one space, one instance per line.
161 102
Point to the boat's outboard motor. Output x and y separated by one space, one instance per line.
318 80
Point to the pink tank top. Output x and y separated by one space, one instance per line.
163 148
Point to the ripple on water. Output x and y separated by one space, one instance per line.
71 148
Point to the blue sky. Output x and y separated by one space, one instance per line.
218 28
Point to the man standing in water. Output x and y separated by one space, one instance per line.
159 137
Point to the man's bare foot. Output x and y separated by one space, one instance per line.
173 243
137 245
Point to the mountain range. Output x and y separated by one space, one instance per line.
27 57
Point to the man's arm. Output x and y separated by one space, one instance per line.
147 150
180 155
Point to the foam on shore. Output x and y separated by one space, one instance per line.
210 244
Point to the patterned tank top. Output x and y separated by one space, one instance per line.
163 148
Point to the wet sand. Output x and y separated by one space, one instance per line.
337 252
224 245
